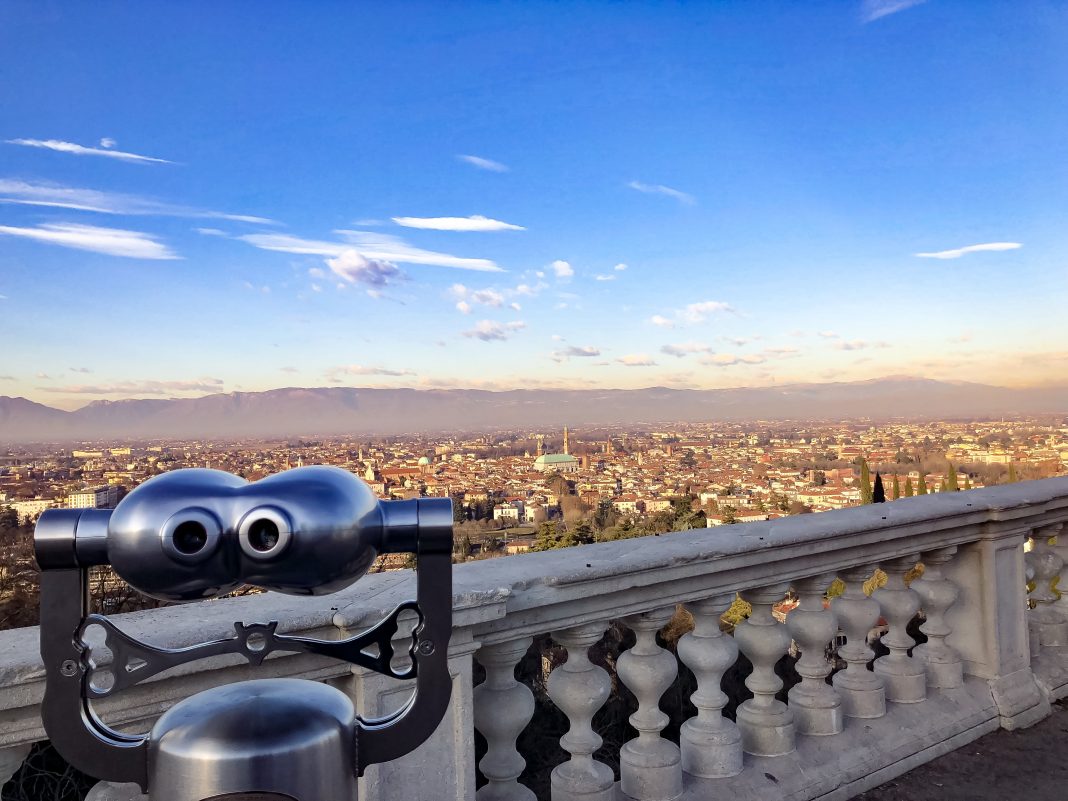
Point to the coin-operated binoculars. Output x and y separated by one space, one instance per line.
193 534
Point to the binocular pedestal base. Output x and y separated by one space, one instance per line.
268 739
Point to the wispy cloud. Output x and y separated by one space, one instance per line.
587 352
112 241
730 359
660 189
620 267
80 150
356 268
80 370
602 277
680 349
137 388
361 369
859 344
871 10
24 193
476 222
636 360
692 313
492 331
484 164
370 246
958 252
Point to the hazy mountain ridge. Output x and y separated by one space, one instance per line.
342 410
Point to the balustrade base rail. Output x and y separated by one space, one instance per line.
869 752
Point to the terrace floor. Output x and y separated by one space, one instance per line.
1002 766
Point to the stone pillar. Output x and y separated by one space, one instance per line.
579 688
905 677
861 690
989 620
711 744
1046 621
937 594
766 724
816 705
11 759
650 767
503 708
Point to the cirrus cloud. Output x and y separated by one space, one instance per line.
660 189
636 360
956 253
110 241
80 150
483 163
475 222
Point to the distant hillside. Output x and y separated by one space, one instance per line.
335 410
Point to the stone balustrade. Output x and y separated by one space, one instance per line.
995 653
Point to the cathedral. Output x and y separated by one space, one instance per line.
557 462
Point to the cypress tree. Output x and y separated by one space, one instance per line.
1012 473
897 488
878 494
944 486
952 480
921 485
908 487
865 482
967 482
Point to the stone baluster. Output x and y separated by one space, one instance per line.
937 595
650 767
816 705
115 791
711 744
579 688
11 759
905 677
1061 549
503 708
1048 625
862 691
766 724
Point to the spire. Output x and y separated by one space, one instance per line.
567 442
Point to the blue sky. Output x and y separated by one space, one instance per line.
210 197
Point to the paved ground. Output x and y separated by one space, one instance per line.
1003 766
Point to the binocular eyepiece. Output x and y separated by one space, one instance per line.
198 533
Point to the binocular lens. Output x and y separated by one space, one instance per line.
263 535
190 537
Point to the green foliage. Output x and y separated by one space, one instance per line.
908 487
921 488
951 478
1013 478
865 482
896 488
548 537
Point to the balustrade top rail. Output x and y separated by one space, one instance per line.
506 598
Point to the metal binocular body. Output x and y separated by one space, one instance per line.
196 534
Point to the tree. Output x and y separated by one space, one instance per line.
921 487
548 537
865 482
1012 473
897 488
577 535
908 487
967 482
878 494
952 480
730 516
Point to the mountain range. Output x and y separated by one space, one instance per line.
324 411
